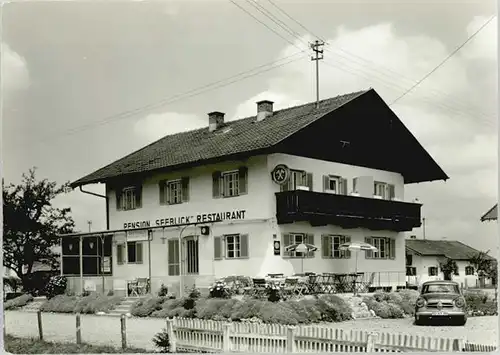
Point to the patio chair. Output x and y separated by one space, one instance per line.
142 286
132 288
259 287
290 287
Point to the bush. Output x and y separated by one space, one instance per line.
18 302
219 290
56 286
145 307
162 341
480 303
336 309
11 296
73 304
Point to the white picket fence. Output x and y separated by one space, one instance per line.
196 335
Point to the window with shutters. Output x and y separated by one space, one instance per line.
333 184
298 238
383 190
469 270
331 246
173 257
433 270
297 178
134 252
120 254
128 198
230 183
386 248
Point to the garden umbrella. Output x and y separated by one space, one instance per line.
301 248
357 246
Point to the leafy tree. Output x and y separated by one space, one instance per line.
448 267
31 224
485 265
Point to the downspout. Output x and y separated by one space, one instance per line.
107 203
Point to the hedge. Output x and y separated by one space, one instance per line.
329 308
18 302
74 304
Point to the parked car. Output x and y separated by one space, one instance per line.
440 300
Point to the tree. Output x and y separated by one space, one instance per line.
485 265
31 224
448 267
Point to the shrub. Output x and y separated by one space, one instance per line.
56 286
216 309
74 304
389 304
335 308
145 307
480 303
18 302
162 341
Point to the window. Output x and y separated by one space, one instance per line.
386 248
433 270
297 238
441 288
173 257
411 271
134 252
335 184
128 198
120 254
330 246
230 183
384 190
297 178
469 270
231 246
174 191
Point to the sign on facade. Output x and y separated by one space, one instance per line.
199 218
280 174
106 264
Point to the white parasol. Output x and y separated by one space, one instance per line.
301 248
357 246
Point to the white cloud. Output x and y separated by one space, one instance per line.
15 75
484 45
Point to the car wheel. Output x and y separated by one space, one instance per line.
461 321
418 321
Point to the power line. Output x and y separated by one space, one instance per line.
295 34
444 61
188 94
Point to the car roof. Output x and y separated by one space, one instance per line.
440 282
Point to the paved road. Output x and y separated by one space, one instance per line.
106 330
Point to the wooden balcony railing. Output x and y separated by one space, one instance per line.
347 211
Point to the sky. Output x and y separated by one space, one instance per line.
85 83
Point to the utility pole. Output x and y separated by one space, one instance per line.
423 227
90 226
318 56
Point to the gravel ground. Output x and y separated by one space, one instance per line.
104 330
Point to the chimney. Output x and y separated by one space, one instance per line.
264 109
215 120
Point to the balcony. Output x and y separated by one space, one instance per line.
319 209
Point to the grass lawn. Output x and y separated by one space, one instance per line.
34 346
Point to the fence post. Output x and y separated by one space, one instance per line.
226 341
290 339
4 327
370 342
40 329
459 344
171 335
78 330
123 325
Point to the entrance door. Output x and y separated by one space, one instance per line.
191 256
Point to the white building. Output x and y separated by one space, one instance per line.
423 257
320 175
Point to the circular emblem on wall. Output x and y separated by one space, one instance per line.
280 174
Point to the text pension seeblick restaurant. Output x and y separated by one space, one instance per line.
199 218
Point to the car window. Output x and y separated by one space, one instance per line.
440 288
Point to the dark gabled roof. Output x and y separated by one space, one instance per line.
491 215
451 249
235 139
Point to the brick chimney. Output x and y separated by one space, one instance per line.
215 120
264 109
